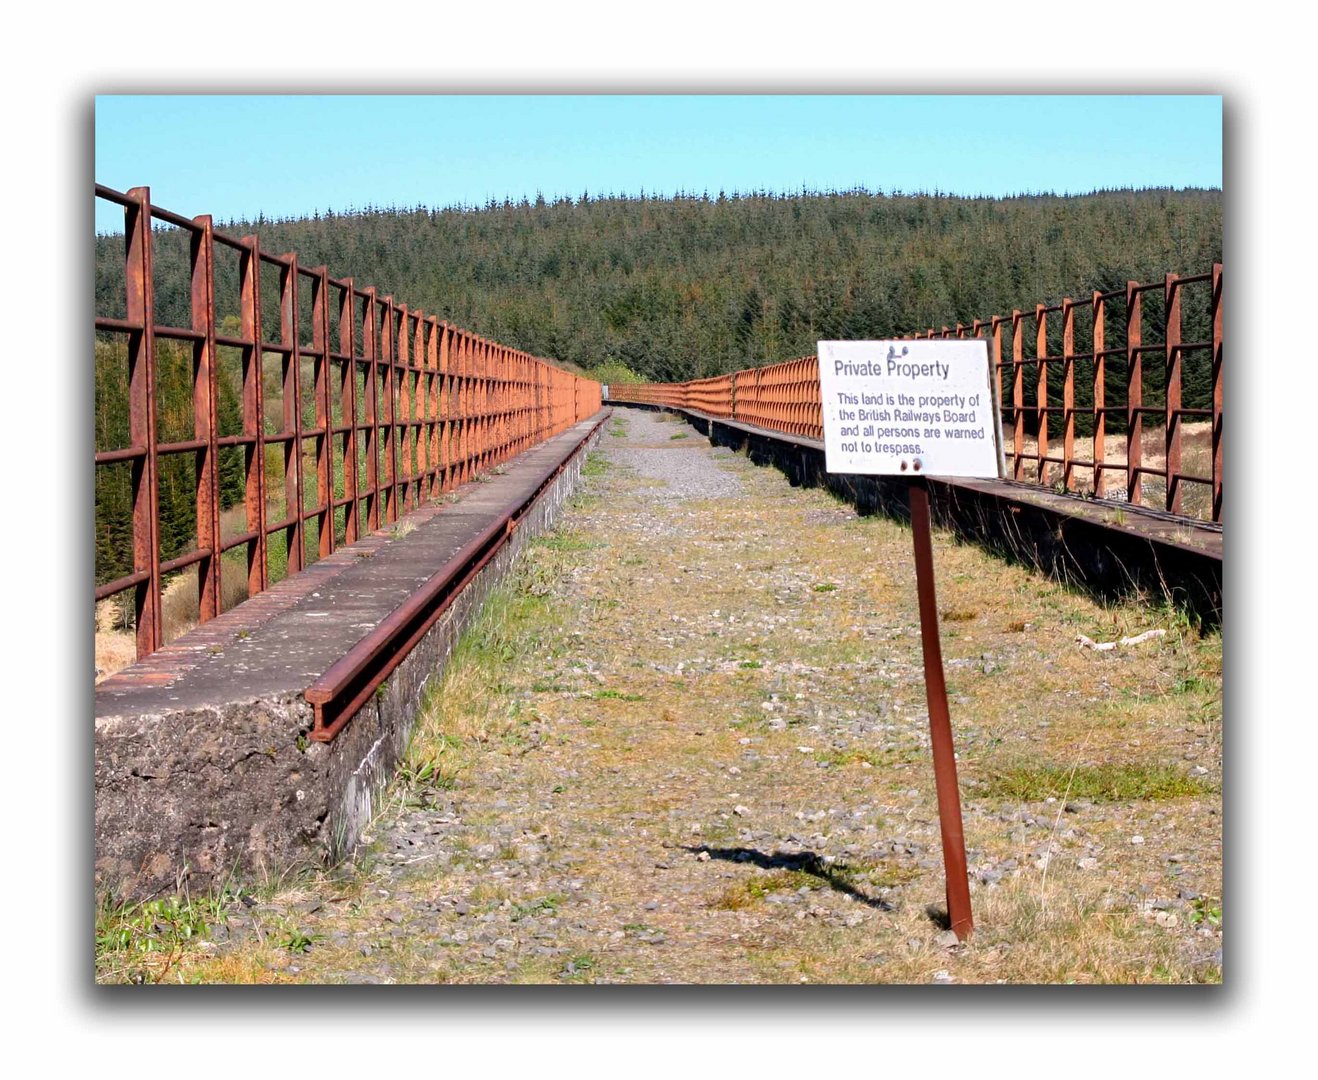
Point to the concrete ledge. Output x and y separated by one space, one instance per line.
1106 548
203 768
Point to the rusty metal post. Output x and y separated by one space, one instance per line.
140 310
205 417
292 395
249 273
1041 412
475 428
348 406
1216 312
1134 396
324 404
458 432
1068 394
940 724
1172 401
995 358
371 339
389 361
497 401
432 407
446 407
1100 402
462 353
1018 393
482 406
403 360
421 352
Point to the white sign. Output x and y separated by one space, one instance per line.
909 408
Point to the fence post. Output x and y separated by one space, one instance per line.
995 362
1134 396
1172 340
371 339
1100 413
320 341
1018 392
140 294
292 395
1041 354
348 405
205 419
445 407
249 274
390 484
406 433
434 481
1068 394
1217 390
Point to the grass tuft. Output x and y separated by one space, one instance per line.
748 893
1100 783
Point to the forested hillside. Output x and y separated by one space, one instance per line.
699 285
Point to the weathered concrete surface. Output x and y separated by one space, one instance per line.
203 768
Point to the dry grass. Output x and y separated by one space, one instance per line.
664 726
753 890
114 652
1107 782
1067 933
1196 460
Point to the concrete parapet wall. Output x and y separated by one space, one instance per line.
199 790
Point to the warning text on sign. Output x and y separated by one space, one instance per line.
908 408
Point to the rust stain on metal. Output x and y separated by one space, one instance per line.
940 723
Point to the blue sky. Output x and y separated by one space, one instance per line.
233 156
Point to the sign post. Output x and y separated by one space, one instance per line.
915 408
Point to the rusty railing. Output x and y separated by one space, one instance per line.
1133 446
380 409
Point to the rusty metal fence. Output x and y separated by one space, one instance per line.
380 408
1095 393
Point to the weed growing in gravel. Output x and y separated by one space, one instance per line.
1205 909
1107 783
295 941
753 890
563 542
143 942
544 905
874 758
578 969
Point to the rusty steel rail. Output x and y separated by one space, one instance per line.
406 407
349 683
1103 331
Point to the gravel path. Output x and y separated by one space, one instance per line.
690 469
708 762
